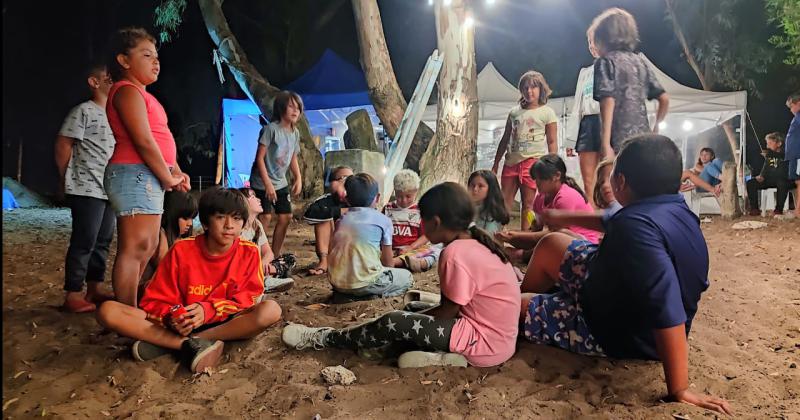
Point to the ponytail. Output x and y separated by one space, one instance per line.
486 240
570 181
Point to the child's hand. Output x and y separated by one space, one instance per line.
196 314
172 183
718 190
297 188
504 236
608 152
703 401
269 192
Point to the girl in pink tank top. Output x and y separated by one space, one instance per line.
144 162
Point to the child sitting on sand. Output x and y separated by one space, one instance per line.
216 277
490 209
324 212
636 294
411 248
361 260
475 323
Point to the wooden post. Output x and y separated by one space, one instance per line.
19 162
729 199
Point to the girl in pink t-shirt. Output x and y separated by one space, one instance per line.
476 321
144 162
557 191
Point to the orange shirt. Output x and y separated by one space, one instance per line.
223 284
124 151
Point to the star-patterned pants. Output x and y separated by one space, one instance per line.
417 330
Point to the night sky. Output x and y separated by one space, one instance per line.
47 45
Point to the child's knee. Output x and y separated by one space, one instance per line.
267 313
107 313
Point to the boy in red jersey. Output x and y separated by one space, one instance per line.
217 278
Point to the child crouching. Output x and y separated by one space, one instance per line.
215 277
361 249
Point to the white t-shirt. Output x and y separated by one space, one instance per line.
94 143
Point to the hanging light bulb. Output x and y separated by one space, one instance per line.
687 125
430 2
662 125
469 22
490 2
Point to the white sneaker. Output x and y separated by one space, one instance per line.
277 284
301 337
418 359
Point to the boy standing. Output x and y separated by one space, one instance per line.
636 294
82 149
793 147
411 248
361 250
215 277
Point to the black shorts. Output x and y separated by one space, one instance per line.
589 134
283 205
324 209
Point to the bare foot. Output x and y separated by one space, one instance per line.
96 294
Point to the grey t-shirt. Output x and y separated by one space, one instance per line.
626 77
281 146
94 143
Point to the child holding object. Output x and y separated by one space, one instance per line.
323 212
475 323
623 81
490 210
411 248
773 175
531 132
215 280
636 294
361 259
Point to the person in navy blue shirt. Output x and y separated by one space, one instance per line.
793 147
634 295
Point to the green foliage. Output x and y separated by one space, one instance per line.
168 17
729 41
786 13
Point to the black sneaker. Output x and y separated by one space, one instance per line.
199 353
144 351
284 265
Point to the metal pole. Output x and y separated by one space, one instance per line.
19 162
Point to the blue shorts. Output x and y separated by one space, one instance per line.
391 282
557 319
794 170
133 189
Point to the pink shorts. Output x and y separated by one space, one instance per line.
522 172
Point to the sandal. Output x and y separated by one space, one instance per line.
317 271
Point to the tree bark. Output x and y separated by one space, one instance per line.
729 198
384 92
452 153
260 91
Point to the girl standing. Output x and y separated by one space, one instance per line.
475 323
531 132
490 210
144 162
584 125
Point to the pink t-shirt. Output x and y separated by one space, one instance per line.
567 198
124 150
487 290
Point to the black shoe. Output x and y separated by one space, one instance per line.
199 353
144 351
284 265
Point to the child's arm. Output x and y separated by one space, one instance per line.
239 295
162 292
186 185
63 153
673 350
446 309
606 119
297 186
551 135
261 154
387 256
661 110
556 219
421 241
503 146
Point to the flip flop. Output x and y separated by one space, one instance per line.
316 271
78 306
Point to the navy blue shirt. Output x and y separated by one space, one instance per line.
793 139
649 272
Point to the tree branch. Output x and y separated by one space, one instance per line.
685 45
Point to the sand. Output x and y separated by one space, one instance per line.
745 346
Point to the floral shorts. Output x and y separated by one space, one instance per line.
556 319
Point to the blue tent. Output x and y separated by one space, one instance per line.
332 83
9 202
240 127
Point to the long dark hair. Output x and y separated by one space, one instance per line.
257 227
177 205
452 203
493 206
548 165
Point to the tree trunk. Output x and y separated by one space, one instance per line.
260 91
384 92
453 151
729 199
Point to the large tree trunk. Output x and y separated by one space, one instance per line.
452 153
729 199
384 92
260 91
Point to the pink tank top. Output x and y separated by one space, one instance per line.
124 150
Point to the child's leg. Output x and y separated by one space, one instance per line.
783 191
279 234
588 162
509 185
247 324
322 234
87 213
265 218
132 322
527 196
420 330
99 257
527 239
136 241
544 266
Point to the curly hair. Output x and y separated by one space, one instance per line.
533 78
614 30
406 180
122 42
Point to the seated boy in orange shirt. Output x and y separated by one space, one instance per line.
216 277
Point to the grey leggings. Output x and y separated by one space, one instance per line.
419 330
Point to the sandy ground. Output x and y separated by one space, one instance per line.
745 346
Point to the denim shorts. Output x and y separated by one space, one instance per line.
391 282
133 189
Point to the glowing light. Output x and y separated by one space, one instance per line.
384 170
430 2
490 2
687 125
447 2
662 125
469 22
492 127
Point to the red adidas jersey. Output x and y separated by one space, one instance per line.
223 284
406 223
